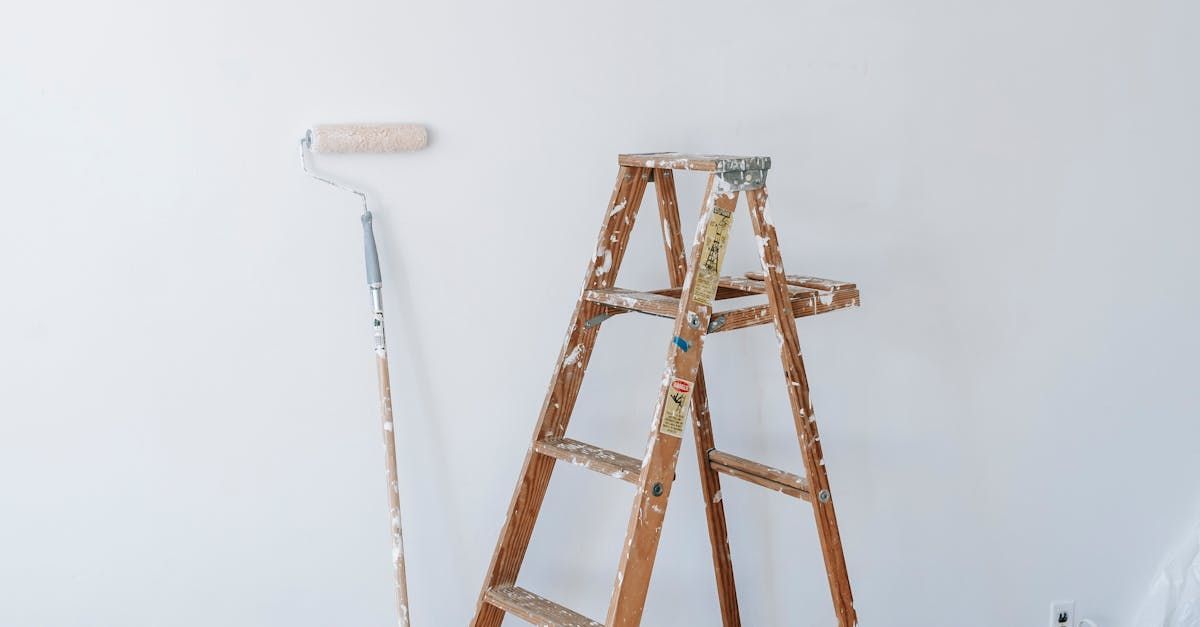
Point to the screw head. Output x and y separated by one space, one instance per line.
823 495
656 490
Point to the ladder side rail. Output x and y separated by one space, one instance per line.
798 393
710 481
683 364
564 387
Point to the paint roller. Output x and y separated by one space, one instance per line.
374 138
366 138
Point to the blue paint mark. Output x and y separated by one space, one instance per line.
682 343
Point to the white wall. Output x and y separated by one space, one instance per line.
188 433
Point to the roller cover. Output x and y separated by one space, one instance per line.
345 138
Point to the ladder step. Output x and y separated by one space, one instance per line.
665 303
810 296
528 606
601 460
761 474
645 302
824 285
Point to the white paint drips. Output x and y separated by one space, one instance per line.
605 263
574 356
766 213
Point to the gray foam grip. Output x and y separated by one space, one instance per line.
370 251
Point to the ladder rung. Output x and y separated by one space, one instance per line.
761 474
601 460
528 606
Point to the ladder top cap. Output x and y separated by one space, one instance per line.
687 161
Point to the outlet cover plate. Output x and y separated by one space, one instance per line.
1062 614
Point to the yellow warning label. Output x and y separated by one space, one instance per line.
716 235
675 407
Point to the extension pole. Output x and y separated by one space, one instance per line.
375 283
374 138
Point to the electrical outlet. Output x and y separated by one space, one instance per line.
1062 614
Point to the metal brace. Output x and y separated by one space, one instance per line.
596 320
740 180
716 323
743 163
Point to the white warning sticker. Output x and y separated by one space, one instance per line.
674 414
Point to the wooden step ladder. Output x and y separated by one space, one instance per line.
696 283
